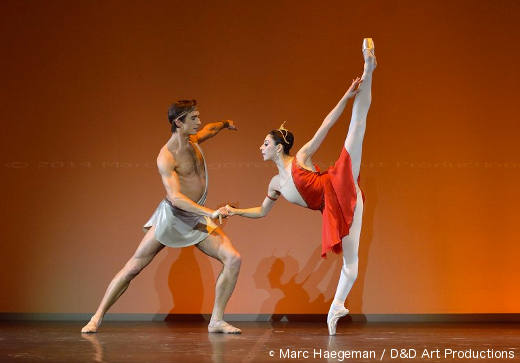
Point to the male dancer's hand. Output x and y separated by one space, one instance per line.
219 213
231 125
230 210
354 88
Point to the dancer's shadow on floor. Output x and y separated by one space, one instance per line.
186 274
294 292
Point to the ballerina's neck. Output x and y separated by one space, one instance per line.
283 163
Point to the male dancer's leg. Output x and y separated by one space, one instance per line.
353 145
146 251
218 246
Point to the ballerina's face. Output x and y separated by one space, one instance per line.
268 148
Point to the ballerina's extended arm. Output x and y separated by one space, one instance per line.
262 210
308 150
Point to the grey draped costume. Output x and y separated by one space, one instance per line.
175 227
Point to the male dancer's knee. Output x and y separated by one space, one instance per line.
132 269
232 261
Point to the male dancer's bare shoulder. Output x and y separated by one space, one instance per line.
165 160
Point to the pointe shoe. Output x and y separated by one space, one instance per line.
369 53
332 319
368 44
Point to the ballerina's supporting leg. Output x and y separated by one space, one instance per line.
349 270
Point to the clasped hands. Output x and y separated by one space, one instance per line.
223 212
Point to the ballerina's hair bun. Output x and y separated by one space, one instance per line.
284 137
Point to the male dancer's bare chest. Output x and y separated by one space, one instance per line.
190 167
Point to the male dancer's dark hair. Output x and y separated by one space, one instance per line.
179 110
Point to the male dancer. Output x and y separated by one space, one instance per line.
181 220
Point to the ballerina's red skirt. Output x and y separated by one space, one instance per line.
333 192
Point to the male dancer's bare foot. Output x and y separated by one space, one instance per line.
220 326
92 326
333 316
369 55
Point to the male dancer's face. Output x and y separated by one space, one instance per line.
268 148
191 123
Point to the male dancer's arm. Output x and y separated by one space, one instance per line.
261 211
211 129
171 184
312 146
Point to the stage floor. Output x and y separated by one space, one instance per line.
260 342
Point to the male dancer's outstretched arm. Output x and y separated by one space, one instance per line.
211 129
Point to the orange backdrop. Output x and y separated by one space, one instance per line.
85 89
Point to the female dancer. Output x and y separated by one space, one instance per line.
335 192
